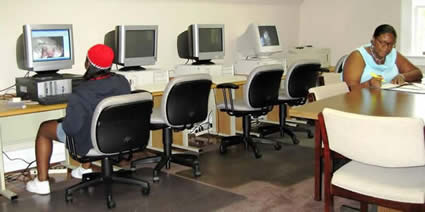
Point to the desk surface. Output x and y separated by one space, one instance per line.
158 88
375 102
155 89
30 108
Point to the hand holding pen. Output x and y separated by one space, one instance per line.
376 80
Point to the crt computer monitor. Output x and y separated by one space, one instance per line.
134 45
259 41
47 48
202 43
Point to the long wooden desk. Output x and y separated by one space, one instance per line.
374 102
6 115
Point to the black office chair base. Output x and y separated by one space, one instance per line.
107 177
268 129
234 140
164 160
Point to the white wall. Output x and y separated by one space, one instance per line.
344 25
91 19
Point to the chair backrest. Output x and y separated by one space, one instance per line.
121 123
339 67
380 141
185 100
330 90
262 86
301 76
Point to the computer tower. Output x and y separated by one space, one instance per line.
33 88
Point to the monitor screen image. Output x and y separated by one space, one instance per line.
268 36
50 45
259 41
140 38
210 40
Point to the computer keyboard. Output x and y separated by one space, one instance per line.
56 99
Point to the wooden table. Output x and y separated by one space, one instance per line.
374 102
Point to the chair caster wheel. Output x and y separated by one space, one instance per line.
222 149
146 191
68 198
310 135
277 147
257 154
295 140
155 179
196 172
110 203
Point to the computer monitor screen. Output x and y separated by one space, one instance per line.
139 38
268 35
50 44
47 48
259 41
210 40
134 45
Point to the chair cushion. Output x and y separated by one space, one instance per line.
238 105
397 184
156 117
283 96
95 152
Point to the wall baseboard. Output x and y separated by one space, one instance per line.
28 154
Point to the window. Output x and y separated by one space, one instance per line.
413 27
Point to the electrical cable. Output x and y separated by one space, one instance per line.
25 173
12 159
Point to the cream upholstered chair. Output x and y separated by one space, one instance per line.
387 164
327 91
331 78
319 93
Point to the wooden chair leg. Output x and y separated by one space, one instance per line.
317 163
363 207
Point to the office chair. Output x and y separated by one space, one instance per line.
339 67
300 77
183 104
387 166
259 95
120 125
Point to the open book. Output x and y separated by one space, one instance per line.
407 87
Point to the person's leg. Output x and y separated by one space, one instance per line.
43 147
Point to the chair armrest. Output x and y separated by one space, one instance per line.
139 91
324 70
227 96
227 85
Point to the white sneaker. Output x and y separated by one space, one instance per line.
38 187
78 172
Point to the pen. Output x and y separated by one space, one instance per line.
377 77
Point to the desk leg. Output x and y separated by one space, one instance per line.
317 163
3 190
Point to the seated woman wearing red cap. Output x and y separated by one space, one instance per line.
99 83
